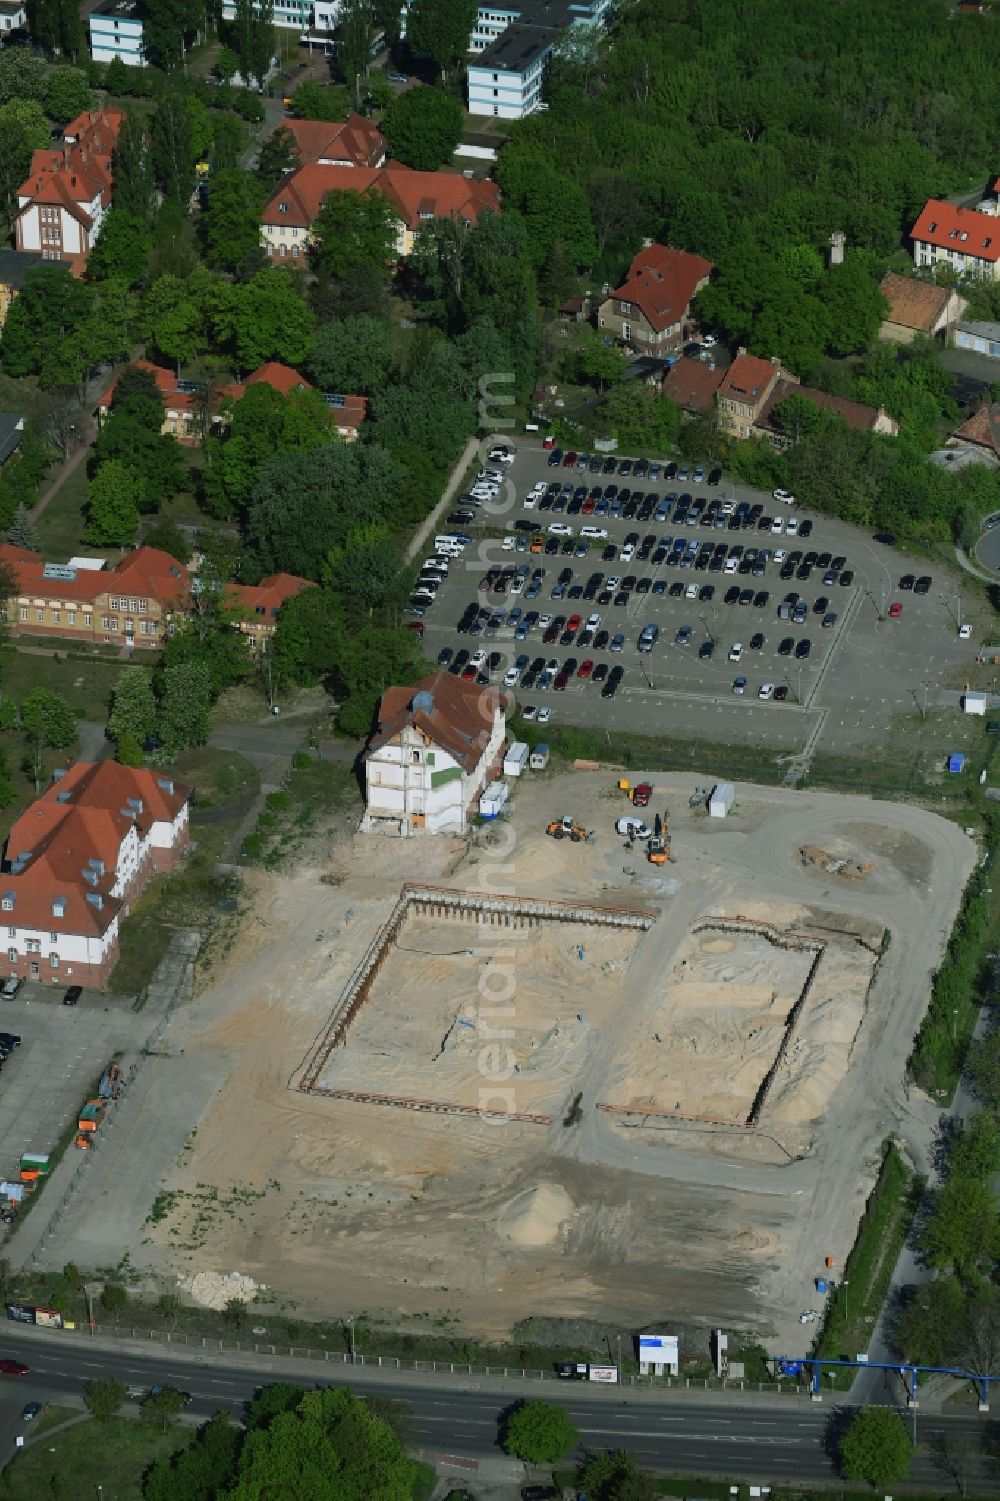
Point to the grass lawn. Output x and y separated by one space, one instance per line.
225 785
60 526
315 792
115 1453
85 685
51 1417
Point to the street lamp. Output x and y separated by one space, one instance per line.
954 1025
350 1330
90 1306
845 1284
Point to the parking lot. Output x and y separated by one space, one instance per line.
753 632
63 1050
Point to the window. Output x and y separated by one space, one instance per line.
114 623
23 612
129 627
8 904
131 606
88 621
12 955
54 960
40 615
53 937
11 932
142 607
284 251
55 617
71 617
105 623
253 642
34 945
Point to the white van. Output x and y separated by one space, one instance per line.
598 533
633 828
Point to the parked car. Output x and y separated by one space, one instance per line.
10 987
72 995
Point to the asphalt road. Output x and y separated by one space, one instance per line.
777 1439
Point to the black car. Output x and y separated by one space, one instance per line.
459 517
601 640
907 581
625 467
705 651
760 599
611 686
746 596
599 673
805 528
757 641
9 1041
847 578
538 1492
706 593
715 476
886 538
555 458
444 656
785 646
923 584
821 605
677 589
731 596
803 649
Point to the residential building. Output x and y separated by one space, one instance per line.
651 310
855 413
183 402
133 602
116 32
980 336
289 15
437 745
259 605
743 391
75 860
982 430
513 43
354 142
348 413
415 197
62 202
14 267
692 384
13 16
967 240
918 308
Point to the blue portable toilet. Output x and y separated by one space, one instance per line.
956 762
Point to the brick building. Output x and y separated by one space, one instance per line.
62 202
130 603
75 860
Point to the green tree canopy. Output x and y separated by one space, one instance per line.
352 355
133 706
104 1398
230 223
422 127
439 29
114 499
352 230
185 706
876 1448
51 308
67 94
317 101
540 1432
48 723
279 155
122 248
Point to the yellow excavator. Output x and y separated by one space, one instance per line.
658 849
568 828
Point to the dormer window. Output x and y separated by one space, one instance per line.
8 901
282 208
932 228
59 907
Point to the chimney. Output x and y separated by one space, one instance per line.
647 242
838 241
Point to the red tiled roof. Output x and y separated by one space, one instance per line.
166 385
444 194
266 598
455 719
79 171
661 282
350 411
912 303
355 140
983 427
692 384
281 377
83 817
962 229
747 379
146 573
855 413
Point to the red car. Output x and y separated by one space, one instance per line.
12 1368
895 610
569 460
641 795
587 509
560 683
586 668
415 625
573 623
549 441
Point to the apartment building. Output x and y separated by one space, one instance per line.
62 202
116 32
964 239
651 311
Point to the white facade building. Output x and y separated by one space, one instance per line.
116 31
289 15
437 746
13 16
513 44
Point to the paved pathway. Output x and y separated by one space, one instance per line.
455 479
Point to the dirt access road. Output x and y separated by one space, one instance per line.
344 1207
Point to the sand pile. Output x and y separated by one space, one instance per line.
836 865
537 1216
214 1289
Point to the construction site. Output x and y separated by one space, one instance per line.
480 1080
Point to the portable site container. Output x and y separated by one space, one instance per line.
539 758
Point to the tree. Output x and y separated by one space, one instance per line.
876 1448
202 1471
230 223
122 248
23 75
133 169
23 130
51 308
169 1306
49 724
553 206
133 706
67 94
982 1065
357 29
167 536
162 1406
307 641
556 279
114 499
263 423
615 1476
439 29
855 305
540 1433
279 155
270 321
640 418
317 101
229 137
185 706
422 127
171 321
365 571
55 25
235 1312
104 1398
22 532
172 145
353 229
114 1299
252 35
168 28
352 355
600 361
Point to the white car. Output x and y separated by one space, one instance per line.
559 529
691 592
478 659
964 632
728 507
511 677
507 545
633 828
792 526
785 496
592 623
765 691
544 621
708 341
544 715
530 501
735 652
731 565
598 533
779 555
501 456
613 582
529 711
627 553
777 526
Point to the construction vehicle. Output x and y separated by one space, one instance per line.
91 1117
658 852
568 828
625 787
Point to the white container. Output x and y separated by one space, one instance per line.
721 800
494 800
516 758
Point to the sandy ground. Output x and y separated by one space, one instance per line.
340 1206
